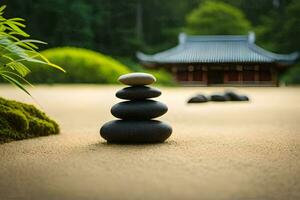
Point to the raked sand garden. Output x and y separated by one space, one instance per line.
232 150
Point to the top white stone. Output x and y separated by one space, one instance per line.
138 78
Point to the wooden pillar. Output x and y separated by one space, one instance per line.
190 73
226 79
239 68
204 75
274 76
256 74
174 72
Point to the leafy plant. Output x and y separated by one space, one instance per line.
16 51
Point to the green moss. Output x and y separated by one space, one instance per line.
20 121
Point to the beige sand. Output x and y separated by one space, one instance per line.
234 151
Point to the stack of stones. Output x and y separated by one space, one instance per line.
136 124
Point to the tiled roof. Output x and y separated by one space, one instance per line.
217 49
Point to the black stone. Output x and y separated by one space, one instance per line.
219 97
139 110
125 131
198 99
243 98
232 96
138 93
236 97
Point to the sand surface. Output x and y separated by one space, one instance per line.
227 151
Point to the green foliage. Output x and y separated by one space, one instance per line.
217 18
20 121
82 66
103 25
15 52
112 27
291 28
87 66
292 76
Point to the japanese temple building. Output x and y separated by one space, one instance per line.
220 60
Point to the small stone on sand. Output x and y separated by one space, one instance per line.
137 78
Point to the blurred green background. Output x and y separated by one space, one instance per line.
120 28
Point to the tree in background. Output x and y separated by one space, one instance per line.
117 28
279 31
291 29
217 18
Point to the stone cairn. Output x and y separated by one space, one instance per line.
136 124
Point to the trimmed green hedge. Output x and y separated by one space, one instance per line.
20 121
87 66
81 65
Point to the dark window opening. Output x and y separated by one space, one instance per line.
265 75
248 75
182 75
233 75
197 74
215 77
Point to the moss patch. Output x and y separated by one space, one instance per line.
20 121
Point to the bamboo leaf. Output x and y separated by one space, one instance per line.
16 28
15 82
17 19
17 75
19 67
9 35
29 43
18 23
13 51
2 8
34 41
8 57
51 64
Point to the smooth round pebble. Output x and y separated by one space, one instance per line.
232 96
139 110
124 131
198 99
138 93
218 97
138 78
243 98
236 97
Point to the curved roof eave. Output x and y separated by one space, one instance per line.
281 58
217 49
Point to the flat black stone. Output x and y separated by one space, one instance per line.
244 98
125 131
138 93
198 99
236 97
138 110
232 96
219 97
